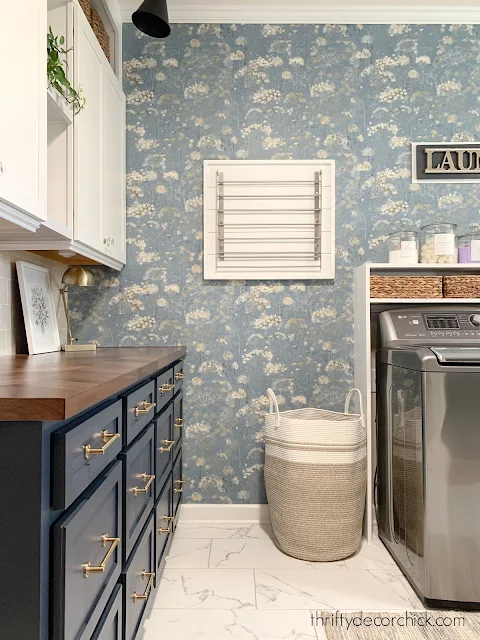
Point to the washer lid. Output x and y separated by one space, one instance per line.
457 355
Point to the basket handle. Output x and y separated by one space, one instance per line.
273 403
349 397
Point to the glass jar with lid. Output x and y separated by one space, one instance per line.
438 243
403 247
469 248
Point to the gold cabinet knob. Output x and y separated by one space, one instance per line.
167 519
180 488
165 388
179 423
169 446
144 595
179 376
106 539
144 407
149 479
108 438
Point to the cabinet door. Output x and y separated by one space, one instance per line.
113 237
88 191
23 106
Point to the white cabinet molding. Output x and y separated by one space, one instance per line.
269 219
315 12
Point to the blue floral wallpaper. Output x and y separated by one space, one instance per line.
357 94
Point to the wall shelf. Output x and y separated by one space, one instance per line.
425 301
58 109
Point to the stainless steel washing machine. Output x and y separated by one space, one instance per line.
428 449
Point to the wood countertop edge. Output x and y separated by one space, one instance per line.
63 408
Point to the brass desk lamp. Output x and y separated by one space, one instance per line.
78 277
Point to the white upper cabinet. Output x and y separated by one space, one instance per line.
62 174
99 149
113 167
23 109
88 143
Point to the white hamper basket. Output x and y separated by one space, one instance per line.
316 479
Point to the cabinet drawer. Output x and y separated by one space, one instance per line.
178 423
81 451
178 375
86 558
110 626
178 483
163 526
138 581
164 444
165 388
140 410
139 477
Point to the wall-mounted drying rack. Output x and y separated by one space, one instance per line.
276 225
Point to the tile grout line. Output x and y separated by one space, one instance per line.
255 589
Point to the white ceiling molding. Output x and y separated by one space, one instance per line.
312 12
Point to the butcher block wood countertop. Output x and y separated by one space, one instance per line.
57 386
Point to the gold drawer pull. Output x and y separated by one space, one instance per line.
179 376
169 446
180 482
144 407
144 595
114 542
144 489
108 438
165 388
167 519
179 423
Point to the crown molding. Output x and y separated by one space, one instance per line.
265 13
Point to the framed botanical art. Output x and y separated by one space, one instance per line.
38 309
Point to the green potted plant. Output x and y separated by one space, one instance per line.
56 68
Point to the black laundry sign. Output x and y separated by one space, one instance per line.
446 162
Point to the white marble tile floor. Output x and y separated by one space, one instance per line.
232 583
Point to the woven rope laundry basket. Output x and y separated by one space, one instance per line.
316 478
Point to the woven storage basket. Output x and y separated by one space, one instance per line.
315 478
100 31
461 286
406 286
87 10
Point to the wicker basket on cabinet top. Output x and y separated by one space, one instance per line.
100 31
406 287
465 286
87 10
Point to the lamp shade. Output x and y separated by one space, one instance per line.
152 18
78 276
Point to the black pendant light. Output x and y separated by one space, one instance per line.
151 18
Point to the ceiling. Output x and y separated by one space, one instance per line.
317 11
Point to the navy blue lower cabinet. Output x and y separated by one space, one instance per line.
89 513
81 450
163 526
178 421
139 478
139 410
138 579
87 560
178 484
110 626
164 444
165 389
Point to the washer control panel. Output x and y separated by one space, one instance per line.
430 325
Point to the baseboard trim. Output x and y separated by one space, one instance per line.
240 514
